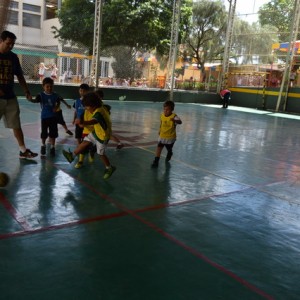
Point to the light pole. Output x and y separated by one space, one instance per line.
96 43
173 46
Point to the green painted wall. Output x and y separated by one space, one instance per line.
244 97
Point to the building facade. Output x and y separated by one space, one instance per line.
32 22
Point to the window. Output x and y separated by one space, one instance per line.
13 5
31 20
104 68
33 8
13 17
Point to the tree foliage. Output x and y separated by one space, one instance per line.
143 24
278 13
252 42
205 36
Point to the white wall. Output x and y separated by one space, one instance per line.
47 37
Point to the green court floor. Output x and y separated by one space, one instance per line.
220 221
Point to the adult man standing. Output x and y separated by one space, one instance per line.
9 106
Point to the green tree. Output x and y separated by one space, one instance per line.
204 38
137 25
279 14
252 42
143 24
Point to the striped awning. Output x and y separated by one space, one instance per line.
31 52
74 55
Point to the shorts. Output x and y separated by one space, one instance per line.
10 111
60 118
78 132
49 128
168 143
101 147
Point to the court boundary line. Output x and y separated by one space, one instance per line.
135 214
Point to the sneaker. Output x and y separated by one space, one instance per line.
108 172
91 157
43 150
52 151
120 146
69 132
27 154
68 155
79 164
154 164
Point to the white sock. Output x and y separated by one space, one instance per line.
23 149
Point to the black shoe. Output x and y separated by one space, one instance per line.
155 162
43 150
169 156
27 154
69 132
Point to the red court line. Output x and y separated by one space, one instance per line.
176 241
126 211
61 226
14 213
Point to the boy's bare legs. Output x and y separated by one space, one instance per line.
81 147
157 156
115 139
69 132
109 169
52 146
105 161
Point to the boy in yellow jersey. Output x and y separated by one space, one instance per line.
87 129
113 137
167 132
100 135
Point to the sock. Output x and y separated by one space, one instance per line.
22 149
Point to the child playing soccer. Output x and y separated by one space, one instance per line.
167 132
87 116
100 136
60 117
79 115
49 102
100 94
79 111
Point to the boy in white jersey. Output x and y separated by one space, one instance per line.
167 132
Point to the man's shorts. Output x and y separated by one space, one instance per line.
10 111
101 147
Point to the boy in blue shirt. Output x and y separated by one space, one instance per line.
49 102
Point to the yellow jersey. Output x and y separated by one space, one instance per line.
102 129
167 127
